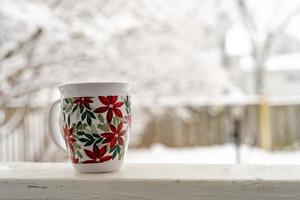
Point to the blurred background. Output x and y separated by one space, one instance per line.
214 81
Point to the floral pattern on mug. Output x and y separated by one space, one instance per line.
96 128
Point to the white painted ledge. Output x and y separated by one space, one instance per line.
150 181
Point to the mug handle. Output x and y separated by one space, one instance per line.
52 124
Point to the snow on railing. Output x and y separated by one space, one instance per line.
150 181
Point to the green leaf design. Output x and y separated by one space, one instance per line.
120 156
88 139
81 126
116 121
103 127
98 141
76 146
83 116
116 151
81 109
74 108
75 137
113 149
89 136
78 124
69 120
89 121
93 129
79 154
100 118
122 151
89 143
127 103
90 114
83 139
67 105
80 133
68 108
96 135
114 155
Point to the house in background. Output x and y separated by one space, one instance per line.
282 66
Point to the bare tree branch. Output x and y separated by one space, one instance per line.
20 88
260 52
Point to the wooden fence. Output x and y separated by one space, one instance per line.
215 125
30 141
176 127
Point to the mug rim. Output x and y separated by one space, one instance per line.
95 89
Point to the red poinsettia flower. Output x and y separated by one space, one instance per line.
115 136
111 106
97 155
74 160
69 137
84 101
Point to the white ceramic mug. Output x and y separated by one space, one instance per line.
95 120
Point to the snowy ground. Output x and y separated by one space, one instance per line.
223 154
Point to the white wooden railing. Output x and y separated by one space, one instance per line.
147 181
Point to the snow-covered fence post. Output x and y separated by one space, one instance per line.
261 46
